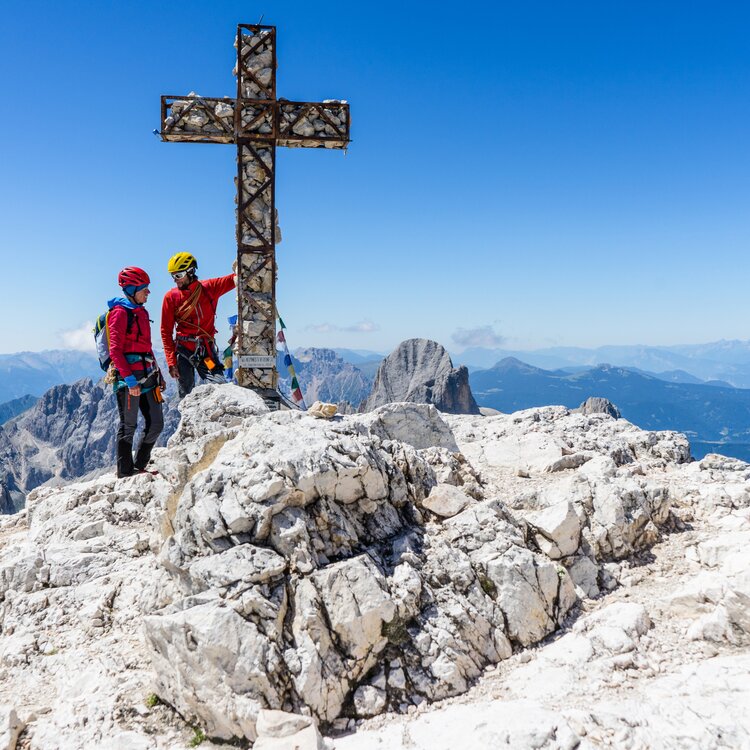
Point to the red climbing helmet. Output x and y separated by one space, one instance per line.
133 276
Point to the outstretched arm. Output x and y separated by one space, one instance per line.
167 331
219 286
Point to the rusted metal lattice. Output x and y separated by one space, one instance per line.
256 121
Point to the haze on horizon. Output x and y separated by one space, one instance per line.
559 176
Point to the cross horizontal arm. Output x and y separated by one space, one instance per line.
313 124
200 119
197 119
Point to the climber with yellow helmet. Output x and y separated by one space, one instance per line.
190 308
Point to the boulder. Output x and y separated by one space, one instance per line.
446 500
419 425
557 529
280 730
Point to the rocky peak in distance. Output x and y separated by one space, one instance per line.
421 371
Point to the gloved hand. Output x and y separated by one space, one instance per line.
174 372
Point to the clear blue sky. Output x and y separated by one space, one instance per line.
538 172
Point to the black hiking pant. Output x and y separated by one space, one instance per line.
128 407
188 363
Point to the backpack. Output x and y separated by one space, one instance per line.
101 336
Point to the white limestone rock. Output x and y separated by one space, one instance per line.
585 574
208 410
531 453
280 730
534 594
369 700
557 529
10 727
446 500
243 563
215 667
277 724
516 724
355 595
420 425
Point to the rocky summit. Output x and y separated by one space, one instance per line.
403 578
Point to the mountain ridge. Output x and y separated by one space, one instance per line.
706 412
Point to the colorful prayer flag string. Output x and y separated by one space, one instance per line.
296 390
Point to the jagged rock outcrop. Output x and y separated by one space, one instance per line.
16 406
597 405
68 433
420 371
325 376
345 568
11 496
309 546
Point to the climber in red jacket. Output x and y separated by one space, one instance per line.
190 307
135 376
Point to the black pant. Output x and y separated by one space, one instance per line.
128 407
188 363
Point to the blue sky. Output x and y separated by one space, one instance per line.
529 173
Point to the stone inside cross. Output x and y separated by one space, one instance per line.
256 121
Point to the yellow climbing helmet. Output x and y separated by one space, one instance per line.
181 262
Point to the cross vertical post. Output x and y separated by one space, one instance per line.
257 122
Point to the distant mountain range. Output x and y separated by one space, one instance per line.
33 373
708 414
727 361
359 356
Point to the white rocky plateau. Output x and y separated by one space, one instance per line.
396 579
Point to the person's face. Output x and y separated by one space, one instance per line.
182 279
141 296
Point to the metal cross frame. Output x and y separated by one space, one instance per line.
256 121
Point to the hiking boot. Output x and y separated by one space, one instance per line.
125 466
144 456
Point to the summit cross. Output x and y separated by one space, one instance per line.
257 122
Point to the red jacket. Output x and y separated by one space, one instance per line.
122 341
200 323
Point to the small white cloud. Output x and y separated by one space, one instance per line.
79 339
364 326
321 328
480 336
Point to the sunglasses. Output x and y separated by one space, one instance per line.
179 275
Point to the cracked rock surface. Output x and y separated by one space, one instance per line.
526 580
